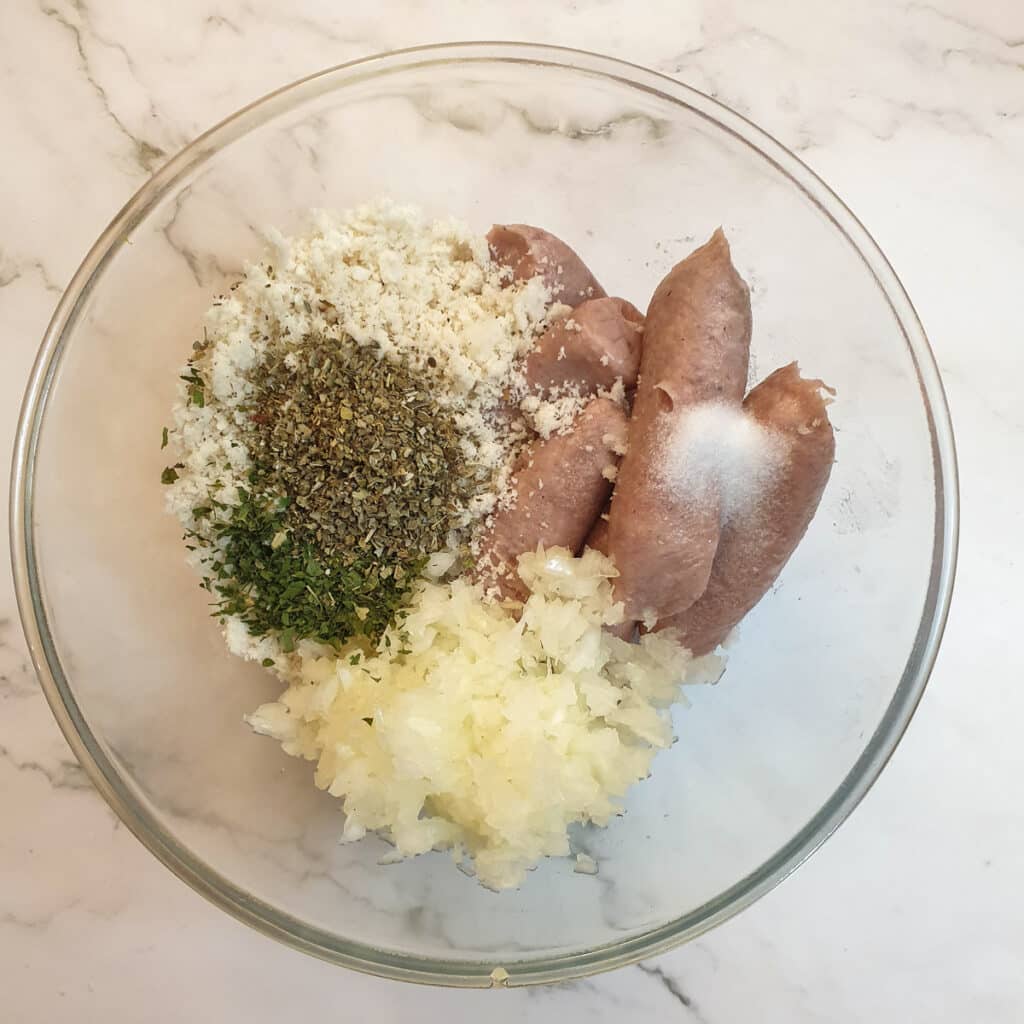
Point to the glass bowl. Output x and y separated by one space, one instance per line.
633 169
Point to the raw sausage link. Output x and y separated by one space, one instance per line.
696 348
595 345
697 335
531 252
754 548
561 486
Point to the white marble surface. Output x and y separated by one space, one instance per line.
914 112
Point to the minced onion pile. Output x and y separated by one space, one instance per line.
466 729
439 718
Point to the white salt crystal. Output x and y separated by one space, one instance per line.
718 448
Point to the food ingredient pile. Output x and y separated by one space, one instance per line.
478 516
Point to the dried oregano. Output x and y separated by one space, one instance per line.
371 464
358 475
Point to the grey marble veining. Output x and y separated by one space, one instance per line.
914 113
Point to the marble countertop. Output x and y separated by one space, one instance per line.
914 113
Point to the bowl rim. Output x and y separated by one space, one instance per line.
268 919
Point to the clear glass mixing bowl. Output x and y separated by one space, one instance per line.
635 170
